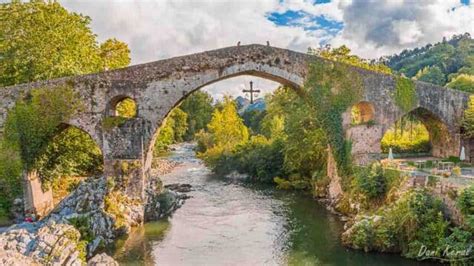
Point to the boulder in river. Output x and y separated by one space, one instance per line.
102 260
182 188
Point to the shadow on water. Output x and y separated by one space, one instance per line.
137 247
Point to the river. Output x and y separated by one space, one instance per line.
230 222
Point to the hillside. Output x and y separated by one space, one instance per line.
447 63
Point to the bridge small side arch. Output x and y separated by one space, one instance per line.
443 141
122 105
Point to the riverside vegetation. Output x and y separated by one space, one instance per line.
270 145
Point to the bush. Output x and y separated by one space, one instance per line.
10 178
371 181
465 202
415 219
295 182
259 157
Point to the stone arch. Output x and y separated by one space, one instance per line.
74 124
444 142
38 200
362 112
111 106
206 78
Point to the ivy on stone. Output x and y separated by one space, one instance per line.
332 88
405 94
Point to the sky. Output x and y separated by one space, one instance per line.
161 29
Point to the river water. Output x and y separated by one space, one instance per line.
230 222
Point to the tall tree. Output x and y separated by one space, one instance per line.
432 75
438 63
114 54
462 82
42 40
468 122
171 131
226 126
198 106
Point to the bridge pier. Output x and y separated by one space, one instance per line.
37 201
124 153
446 146
128 175
365 141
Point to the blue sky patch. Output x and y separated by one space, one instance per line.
324 1
308 22
465 2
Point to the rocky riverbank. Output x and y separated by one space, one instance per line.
91 217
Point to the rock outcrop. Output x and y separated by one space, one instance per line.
42 243
92 216
102 212
102 260
162 202
14 258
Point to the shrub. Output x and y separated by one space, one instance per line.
371 181
465 202
413 220
10 177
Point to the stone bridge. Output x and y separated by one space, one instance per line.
159 86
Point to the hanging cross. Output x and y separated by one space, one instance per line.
251 91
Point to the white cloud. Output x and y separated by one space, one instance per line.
234 86
161 29
373 29
332 10
408 32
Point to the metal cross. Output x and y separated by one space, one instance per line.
251 91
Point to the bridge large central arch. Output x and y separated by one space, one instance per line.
159 86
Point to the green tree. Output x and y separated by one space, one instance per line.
434 62
114 54
71 153
34 121
165 137
253 119
172 131
226 126
42 40
10 176
468 122
432 75
126 108
198 106
180 124
462 82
